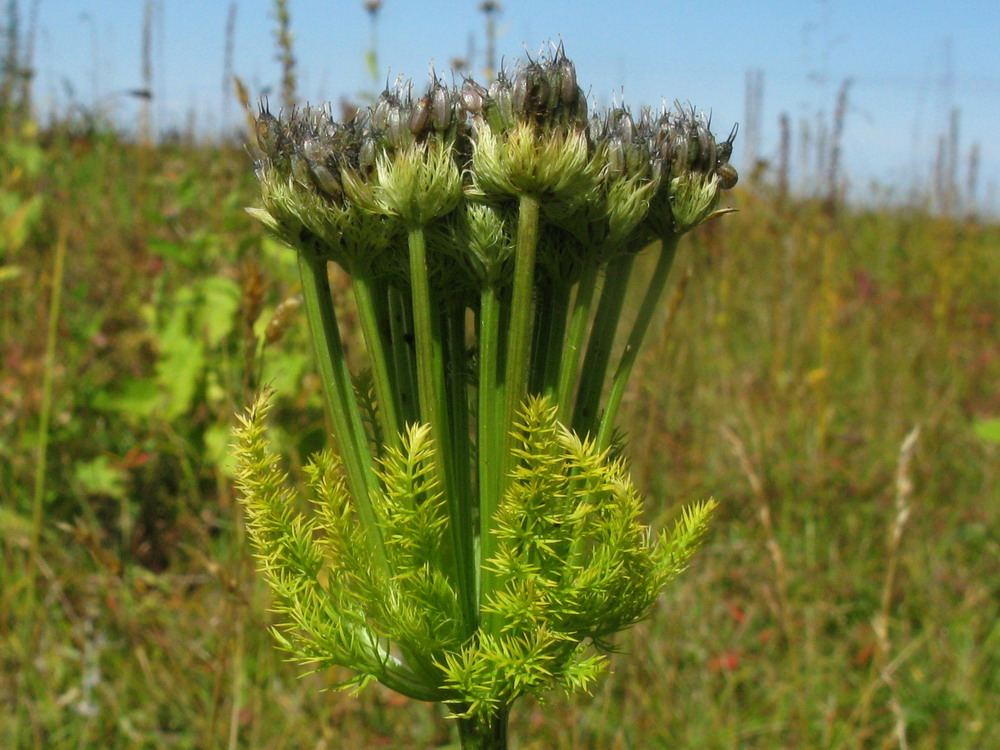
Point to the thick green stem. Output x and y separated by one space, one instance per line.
552 345
496 429
649 304
602 339
38 495
569 364
366 296
403 354
489 430
485 734
544 315
434 412
457 392
519 340
338 391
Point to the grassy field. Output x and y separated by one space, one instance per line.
847 596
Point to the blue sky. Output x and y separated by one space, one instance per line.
910 63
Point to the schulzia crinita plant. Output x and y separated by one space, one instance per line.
475 536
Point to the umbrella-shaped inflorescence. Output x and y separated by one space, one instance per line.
476 530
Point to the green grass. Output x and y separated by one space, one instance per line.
804 350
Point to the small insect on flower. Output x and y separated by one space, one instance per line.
726 171
728 176
268 132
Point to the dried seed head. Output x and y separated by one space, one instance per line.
419 115
473 97
441 107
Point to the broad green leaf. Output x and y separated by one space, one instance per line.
988 430
99 477
137 398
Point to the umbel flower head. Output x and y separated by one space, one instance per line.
610 180
476 536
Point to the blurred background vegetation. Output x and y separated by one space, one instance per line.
828 372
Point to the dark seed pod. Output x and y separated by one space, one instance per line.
318 157
519 93
616 158
473 96
419 116
380 112
567 82
626 127
597 128
397 130
504 100
636 157
300 170
366 154
441 108
581 105
539 93
707 154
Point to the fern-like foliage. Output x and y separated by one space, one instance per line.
574 565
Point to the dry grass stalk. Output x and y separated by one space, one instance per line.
763 509
286 53
880 623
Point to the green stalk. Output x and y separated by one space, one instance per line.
602 339
434 412
45 414
485 734
649 304
453 320
338 391
489 429
496 427
554 337
544 316
401 325
388 411
519 341
569 364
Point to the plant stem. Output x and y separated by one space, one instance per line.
338 391
649 304
388 413
485 734
457 392
401 325
602 339
554 338
544 314
434 412
45 413
519 341
569 363
490 436
498 403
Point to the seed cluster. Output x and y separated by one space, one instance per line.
612 180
